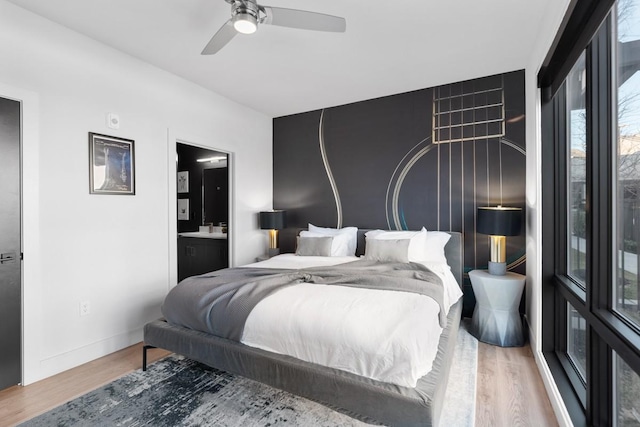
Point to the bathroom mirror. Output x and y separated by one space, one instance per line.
215 194
203 187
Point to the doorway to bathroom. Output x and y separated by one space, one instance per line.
203 210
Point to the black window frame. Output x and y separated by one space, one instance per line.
587 27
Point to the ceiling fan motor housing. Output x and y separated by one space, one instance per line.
245 16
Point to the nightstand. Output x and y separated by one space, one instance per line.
496 318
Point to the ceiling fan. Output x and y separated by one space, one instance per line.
247 14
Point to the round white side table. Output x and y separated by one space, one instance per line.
496 318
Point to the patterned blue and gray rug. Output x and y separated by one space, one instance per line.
180 392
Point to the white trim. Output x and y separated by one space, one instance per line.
31 283
173 138
78 356
534 270
559 408
172 197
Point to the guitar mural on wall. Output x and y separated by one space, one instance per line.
424 158
481 165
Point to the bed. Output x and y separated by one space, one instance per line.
358 396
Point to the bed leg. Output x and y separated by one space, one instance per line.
144 356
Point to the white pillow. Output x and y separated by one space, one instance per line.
434 248
352 232
339 245
417 241
387 250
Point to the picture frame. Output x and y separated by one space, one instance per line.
183 182
183 209
111 165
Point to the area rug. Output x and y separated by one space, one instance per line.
180 392
459 408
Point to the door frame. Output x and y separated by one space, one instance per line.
14 362
29 230
173 138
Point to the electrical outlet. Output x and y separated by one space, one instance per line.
85 308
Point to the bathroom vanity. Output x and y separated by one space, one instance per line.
201 252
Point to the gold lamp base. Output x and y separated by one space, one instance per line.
273 239
498 264
498 248
273 243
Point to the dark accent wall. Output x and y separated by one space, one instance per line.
424 158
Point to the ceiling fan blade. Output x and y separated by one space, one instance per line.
294 18
220 39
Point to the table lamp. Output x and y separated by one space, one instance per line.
499 222
273 221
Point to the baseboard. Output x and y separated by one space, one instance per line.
71 359
560 410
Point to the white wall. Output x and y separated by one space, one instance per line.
114 251
548 29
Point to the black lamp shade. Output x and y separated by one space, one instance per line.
499 221
273 220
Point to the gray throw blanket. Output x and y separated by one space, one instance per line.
220 302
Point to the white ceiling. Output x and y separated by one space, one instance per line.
389 46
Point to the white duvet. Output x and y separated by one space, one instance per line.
385 335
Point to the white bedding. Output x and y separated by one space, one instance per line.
385 335
292 261
295 262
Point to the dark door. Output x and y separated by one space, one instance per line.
216 195
10 247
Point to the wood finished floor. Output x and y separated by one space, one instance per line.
509 391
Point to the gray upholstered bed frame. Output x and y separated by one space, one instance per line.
360 397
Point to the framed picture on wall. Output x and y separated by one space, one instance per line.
183 209
111 165
183 182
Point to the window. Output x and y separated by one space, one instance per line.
627 160
577 171
591 212
627 395
577 342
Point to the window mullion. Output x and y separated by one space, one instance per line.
600 184
600 387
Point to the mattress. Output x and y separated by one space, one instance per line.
384 326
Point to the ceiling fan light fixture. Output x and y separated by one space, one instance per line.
247 14
245 23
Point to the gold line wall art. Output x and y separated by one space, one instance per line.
427 158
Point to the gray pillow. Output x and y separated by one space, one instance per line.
387 250
314 246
